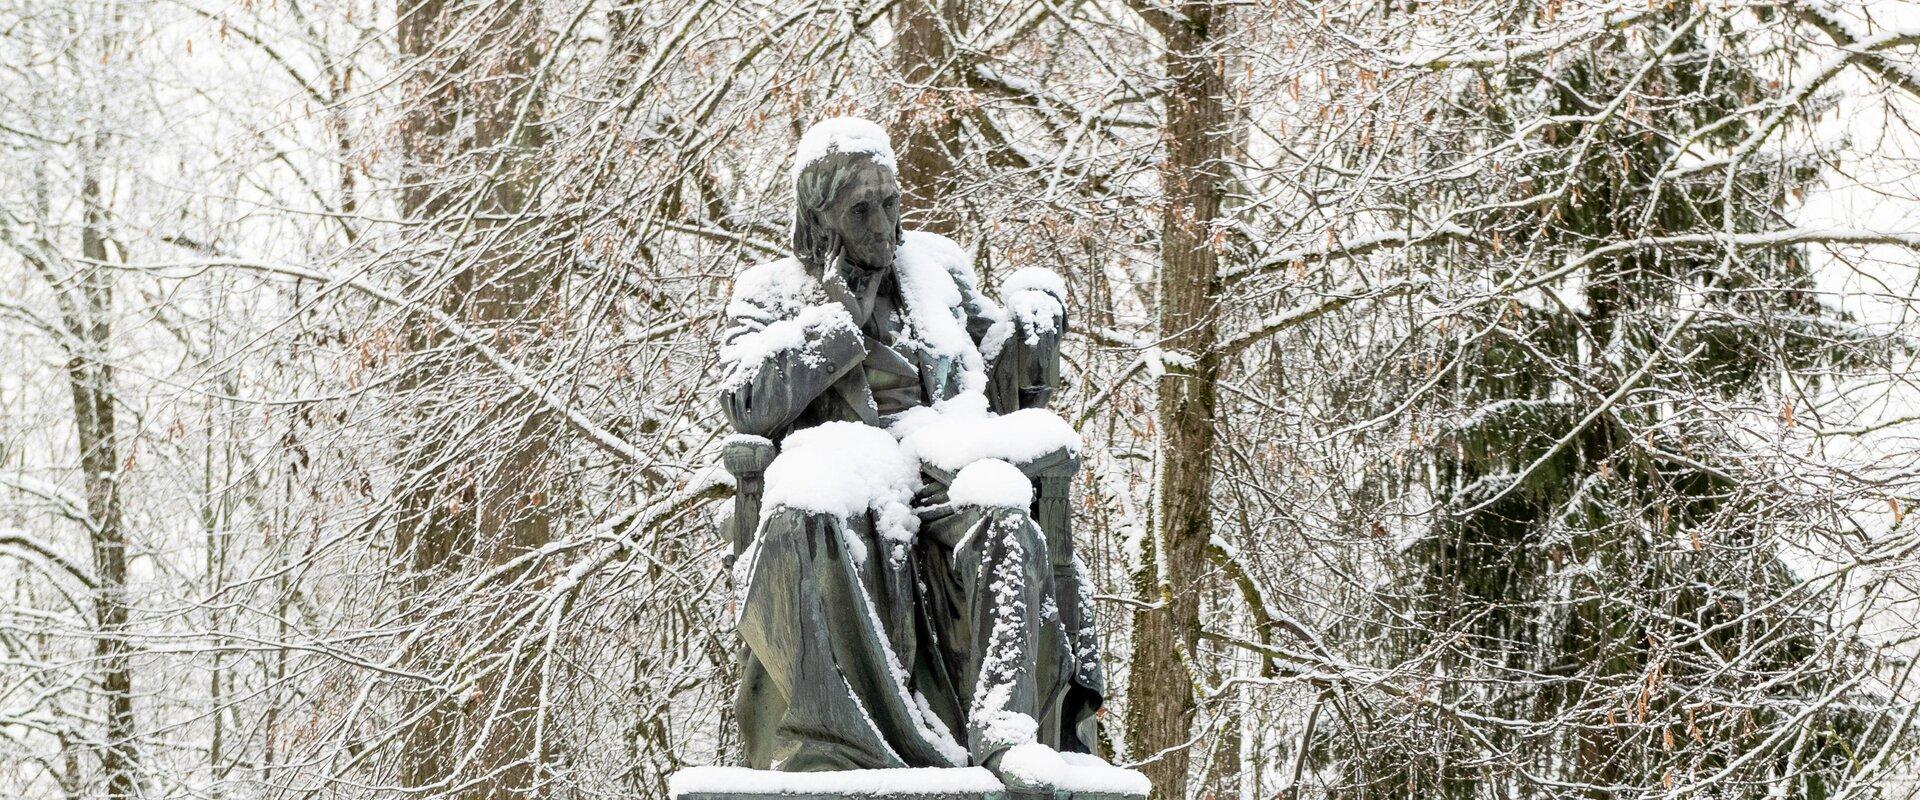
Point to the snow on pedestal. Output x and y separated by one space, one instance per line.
1080 774
1076 777
729 783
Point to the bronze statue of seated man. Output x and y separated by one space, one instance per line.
911 596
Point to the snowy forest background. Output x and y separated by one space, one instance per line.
1483 398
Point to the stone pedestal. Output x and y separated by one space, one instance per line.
967 783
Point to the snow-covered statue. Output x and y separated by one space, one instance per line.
911 595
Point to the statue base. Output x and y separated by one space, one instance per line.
1081 782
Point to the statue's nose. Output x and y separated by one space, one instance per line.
881 238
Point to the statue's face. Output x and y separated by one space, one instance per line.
865 214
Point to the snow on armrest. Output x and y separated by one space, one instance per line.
1036 299
746 454
745 457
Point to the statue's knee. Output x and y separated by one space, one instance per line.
1010 528
1012 520
785 523
779 518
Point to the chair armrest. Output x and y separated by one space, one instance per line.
1052 511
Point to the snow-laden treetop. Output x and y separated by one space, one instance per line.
843 135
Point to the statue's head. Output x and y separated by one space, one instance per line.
846 197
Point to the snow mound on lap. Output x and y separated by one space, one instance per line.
960 431
843 469
991 482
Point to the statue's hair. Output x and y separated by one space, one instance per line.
815 186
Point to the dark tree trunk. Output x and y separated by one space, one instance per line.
90 380
503 281
927 131
470 183
1160 709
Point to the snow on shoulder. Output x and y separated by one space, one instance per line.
931 268
957 432
992 483
843 469
790 306
919 253
742 355
778 287
951 257
843 135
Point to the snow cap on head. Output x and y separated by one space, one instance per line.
843 135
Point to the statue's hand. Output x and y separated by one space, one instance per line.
839 292
933 492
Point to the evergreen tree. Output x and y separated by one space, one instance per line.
1600 575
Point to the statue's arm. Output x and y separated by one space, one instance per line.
780 367
1026 370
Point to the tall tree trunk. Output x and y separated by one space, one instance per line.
470 138
927 129
504 279
90 381
1160 709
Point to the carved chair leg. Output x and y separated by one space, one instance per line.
1055 516
746 458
